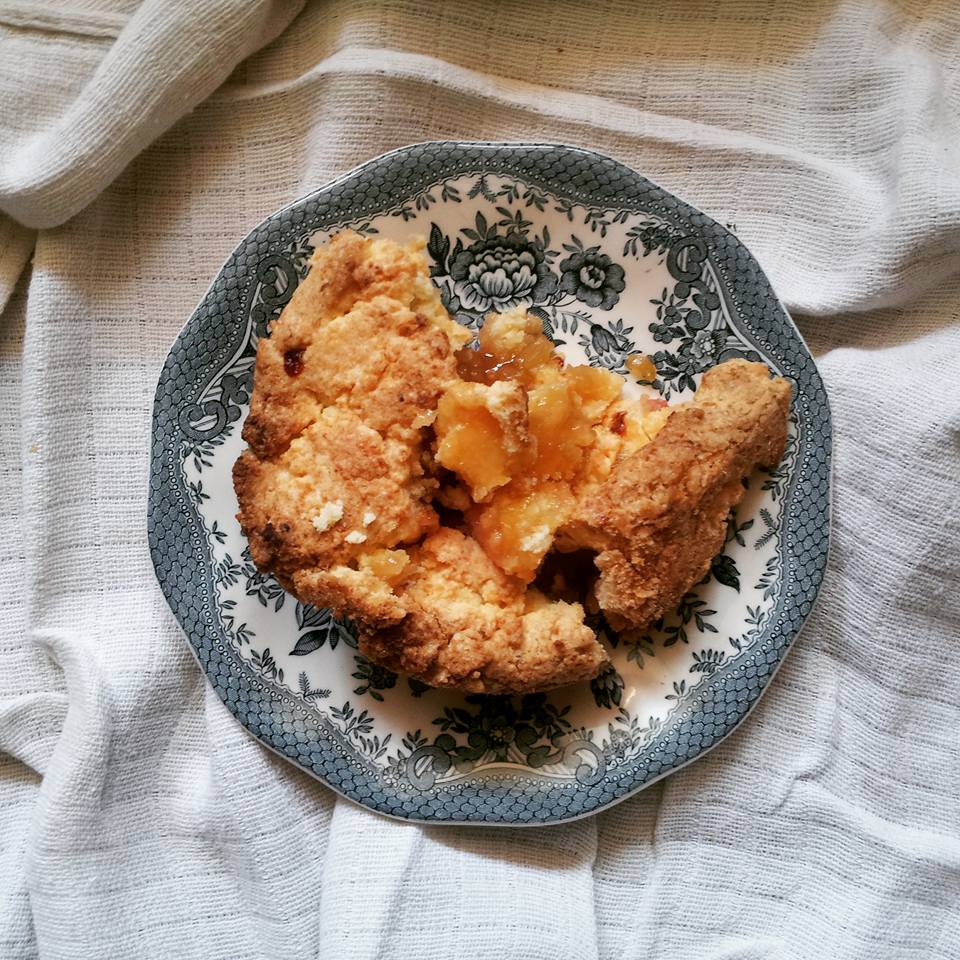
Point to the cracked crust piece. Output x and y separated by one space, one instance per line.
470 625
343 387
366 331
661 516
338 491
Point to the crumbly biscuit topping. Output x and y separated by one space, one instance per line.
416 484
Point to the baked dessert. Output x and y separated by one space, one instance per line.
661 516
446 497
334 477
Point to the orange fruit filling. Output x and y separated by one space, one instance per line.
388 565
511 346
482 435
525 434
642 367
517 527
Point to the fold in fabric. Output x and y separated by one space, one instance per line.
16 245
71 121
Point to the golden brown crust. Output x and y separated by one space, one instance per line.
334 468
338 459
363 305
660 517
471 626
356 593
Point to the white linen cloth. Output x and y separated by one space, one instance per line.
137 819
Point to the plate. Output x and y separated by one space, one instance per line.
613 265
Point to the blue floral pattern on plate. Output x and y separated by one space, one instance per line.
612 265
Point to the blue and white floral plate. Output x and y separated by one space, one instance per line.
613 265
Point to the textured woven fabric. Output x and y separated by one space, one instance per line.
137 818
